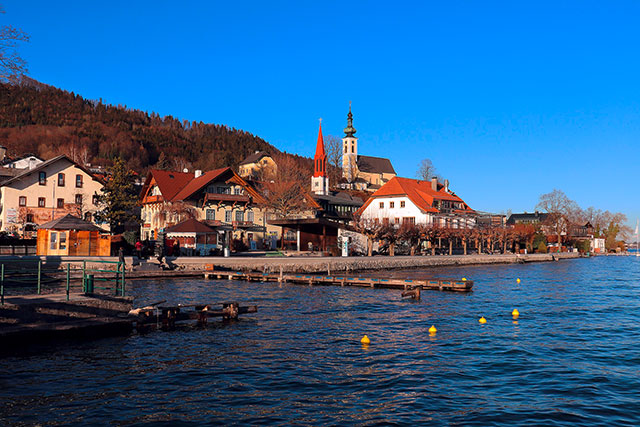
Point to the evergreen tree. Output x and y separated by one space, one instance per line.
118 198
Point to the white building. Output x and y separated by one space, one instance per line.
412 201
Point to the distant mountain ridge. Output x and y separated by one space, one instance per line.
43 120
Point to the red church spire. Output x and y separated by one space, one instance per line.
320 159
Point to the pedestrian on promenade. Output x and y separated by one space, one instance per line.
121 256
139 249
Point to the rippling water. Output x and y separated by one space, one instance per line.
571 358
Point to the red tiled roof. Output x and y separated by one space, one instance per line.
190 226
170 183
419 192
198 183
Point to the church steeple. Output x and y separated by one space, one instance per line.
349 130
320 180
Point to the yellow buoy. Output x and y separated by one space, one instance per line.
482 320
432 329
518 280
464 279
515 312
365 340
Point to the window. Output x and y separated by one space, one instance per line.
250 216
210 214
78 181
352 148
22 201
381 205
409 220
78 199
228 216
402 204
88 216
60 180
391 204
63 240
396 220
239 216
29 217
54 240
346 150
385 221
42 178
60 203
41 202
376 221
94 199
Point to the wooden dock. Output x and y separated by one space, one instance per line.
453 285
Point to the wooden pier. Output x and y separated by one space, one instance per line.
345 280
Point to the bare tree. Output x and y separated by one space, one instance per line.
12 66
284 194
333 147
370 229
426 170
560 209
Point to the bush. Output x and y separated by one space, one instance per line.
542 248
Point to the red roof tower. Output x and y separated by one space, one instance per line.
320 159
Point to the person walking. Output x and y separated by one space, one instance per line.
121 257
139 249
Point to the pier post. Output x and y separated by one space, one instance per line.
68 279
39 275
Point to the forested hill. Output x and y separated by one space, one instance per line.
46 121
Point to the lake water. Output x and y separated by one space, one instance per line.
572 357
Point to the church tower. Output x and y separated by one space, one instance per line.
320 180
349 149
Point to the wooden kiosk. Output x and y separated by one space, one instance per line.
71 235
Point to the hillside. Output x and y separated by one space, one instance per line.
46 121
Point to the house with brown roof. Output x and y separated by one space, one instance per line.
50 190
412 201
259 165
219 198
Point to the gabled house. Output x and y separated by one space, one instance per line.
50 190
219 198
412 201
259 165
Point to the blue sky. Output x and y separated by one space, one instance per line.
508 99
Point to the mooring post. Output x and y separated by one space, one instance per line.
280 280
123 280
328 270
39 274
68 279
84 276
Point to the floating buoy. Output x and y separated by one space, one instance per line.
482 320
464 279
432 330
518 280
365 340
515 312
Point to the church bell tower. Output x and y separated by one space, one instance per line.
349 150
320 180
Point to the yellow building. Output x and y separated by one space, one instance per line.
258 166
48 191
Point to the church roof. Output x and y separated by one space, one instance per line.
320 144
372 164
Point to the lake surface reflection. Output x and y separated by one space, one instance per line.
571 357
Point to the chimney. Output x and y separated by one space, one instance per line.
434 183
446 185
198 173
3 152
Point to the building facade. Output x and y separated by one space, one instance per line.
258 166
48 191
411 201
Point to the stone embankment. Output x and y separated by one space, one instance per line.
337 264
